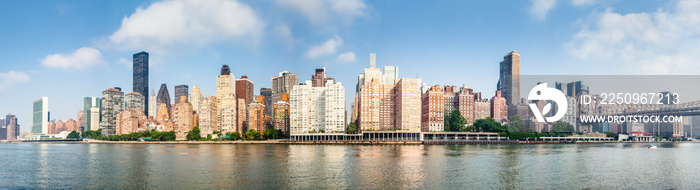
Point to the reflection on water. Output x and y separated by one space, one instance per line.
266 166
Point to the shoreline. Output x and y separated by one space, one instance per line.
337 142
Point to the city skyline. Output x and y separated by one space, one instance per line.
86 67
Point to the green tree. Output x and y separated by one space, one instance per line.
562 127
194 134
252 134
456 122
352 128
73 135
208 136
516 124
488 125
447 122
235 136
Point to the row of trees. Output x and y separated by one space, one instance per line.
152 135
195 134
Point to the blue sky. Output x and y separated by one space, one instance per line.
67 50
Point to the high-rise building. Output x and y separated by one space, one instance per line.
196 97
317 108
180 91
141 76
12 127
370 73
135 101
164 98
80 122
408 105
391 73
433 110
245 89
129 121
71 125
499 109
225 83
228 114
41 116
95 118
267 93
465 104
281 108
509 80
208 116
183 119
242 115
51 127
153 104
88 104
256 117
482 108
112 104
163 114
282 84
375 98
318 79
3 129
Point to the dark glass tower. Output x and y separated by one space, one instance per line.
164 97
181 90
141 76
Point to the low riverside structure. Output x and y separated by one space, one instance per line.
578 138
398 136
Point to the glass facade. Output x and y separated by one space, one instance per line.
141 76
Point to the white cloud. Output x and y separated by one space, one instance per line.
327 48
540 8
79 59
660 42
171 24
347 57
284 35
327 11
125 62
11 78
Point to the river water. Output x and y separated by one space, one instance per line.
277 166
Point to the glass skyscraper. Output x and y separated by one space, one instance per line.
141 76
88 104
41 116
180 91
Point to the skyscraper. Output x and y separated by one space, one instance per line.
509 80
208 116
228 114
245 89
12 127
88 104
152 105
318 79
164 97
391 73
141 77
282 84
267 93
3 129
180 91
112 104
183 119
281 108
196 97
317 108
135 101
41 116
